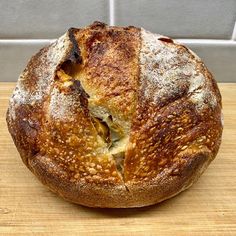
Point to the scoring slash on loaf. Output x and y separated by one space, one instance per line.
116 116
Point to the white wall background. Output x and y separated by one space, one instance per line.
206 26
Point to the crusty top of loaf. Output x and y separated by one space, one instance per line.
178 109
115 106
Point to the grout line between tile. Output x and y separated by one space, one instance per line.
111 13
25 41
187 41
207 41
234 33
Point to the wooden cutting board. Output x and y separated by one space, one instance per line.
207 208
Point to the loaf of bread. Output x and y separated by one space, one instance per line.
116 116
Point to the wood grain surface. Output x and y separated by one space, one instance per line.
207 208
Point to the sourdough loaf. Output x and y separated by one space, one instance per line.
116 116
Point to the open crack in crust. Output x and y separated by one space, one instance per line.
116 117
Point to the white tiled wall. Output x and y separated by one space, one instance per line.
180 18
48 18
206 26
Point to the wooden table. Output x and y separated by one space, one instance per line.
208 208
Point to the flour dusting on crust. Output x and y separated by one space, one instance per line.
61 105
34 82
167 68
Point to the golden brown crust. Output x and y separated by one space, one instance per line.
155 95
92 194
167 121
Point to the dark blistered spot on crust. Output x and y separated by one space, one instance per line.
166 40
97 25
75 54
